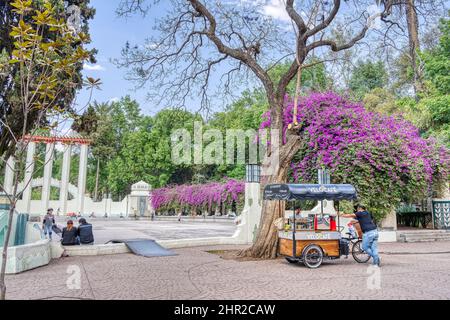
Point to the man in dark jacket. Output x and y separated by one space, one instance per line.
370 232
85 232
70 235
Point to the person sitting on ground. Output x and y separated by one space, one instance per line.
48 223
85 232
70 235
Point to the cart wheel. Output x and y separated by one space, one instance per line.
358 253
312 256
292 260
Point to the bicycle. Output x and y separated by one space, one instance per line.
358 253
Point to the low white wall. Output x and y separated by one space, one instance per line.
33 234
118 248
387 236
96 250
38 208
199 242
27 257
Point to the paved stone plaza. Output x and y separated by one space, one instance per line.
115 229
410 271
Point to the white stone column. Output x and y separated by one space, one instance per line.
254 209
29 170
82 174
251 214
390 222
65 177
48 169
9 175
444 191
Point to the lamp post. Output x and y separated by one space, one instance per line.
253 173
324 176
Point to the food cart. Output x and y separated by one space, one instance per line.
312 239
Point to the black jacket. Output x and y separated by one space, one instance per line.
70 238
365 220
85 233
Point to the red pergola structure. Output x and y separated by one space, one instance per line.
69 141
59 139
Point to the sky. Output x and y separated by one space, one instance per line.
109 35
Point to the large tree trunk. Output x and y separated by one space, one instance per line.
414 44
266 243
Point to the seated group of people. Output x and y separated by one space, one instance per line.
72 236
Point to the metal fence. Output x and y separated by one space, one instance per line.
441 214
415 219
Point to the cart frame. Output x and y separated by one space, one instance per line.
312 239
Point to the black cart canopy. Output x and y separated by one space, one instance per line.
289 192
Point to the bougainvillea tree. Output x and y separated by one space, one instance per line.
384 157
195 197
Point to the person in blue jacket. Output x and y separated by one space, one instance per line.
85 232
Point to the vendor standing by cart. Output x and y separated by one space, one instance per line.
370 232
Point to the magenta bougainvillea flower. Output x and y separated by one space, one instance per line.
198 195
385 157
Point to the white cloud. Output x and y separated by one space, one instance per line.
95 67
277 10
112 100
151 46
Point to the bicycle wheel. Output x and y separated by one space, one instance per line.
358 253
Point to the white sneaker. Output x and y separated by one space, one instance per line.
379 262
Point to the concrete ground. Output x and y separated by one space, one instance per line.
409 271
115 229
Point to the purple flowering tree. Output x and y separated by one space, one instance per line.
384 157
198 196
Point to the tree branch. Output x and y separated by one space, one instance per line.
334 46
238 54
293 14
326 22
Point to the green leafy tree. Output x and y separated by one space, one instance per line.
146 153
314 76
432 112
381 100
367 76
437 61
243 114
86 124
